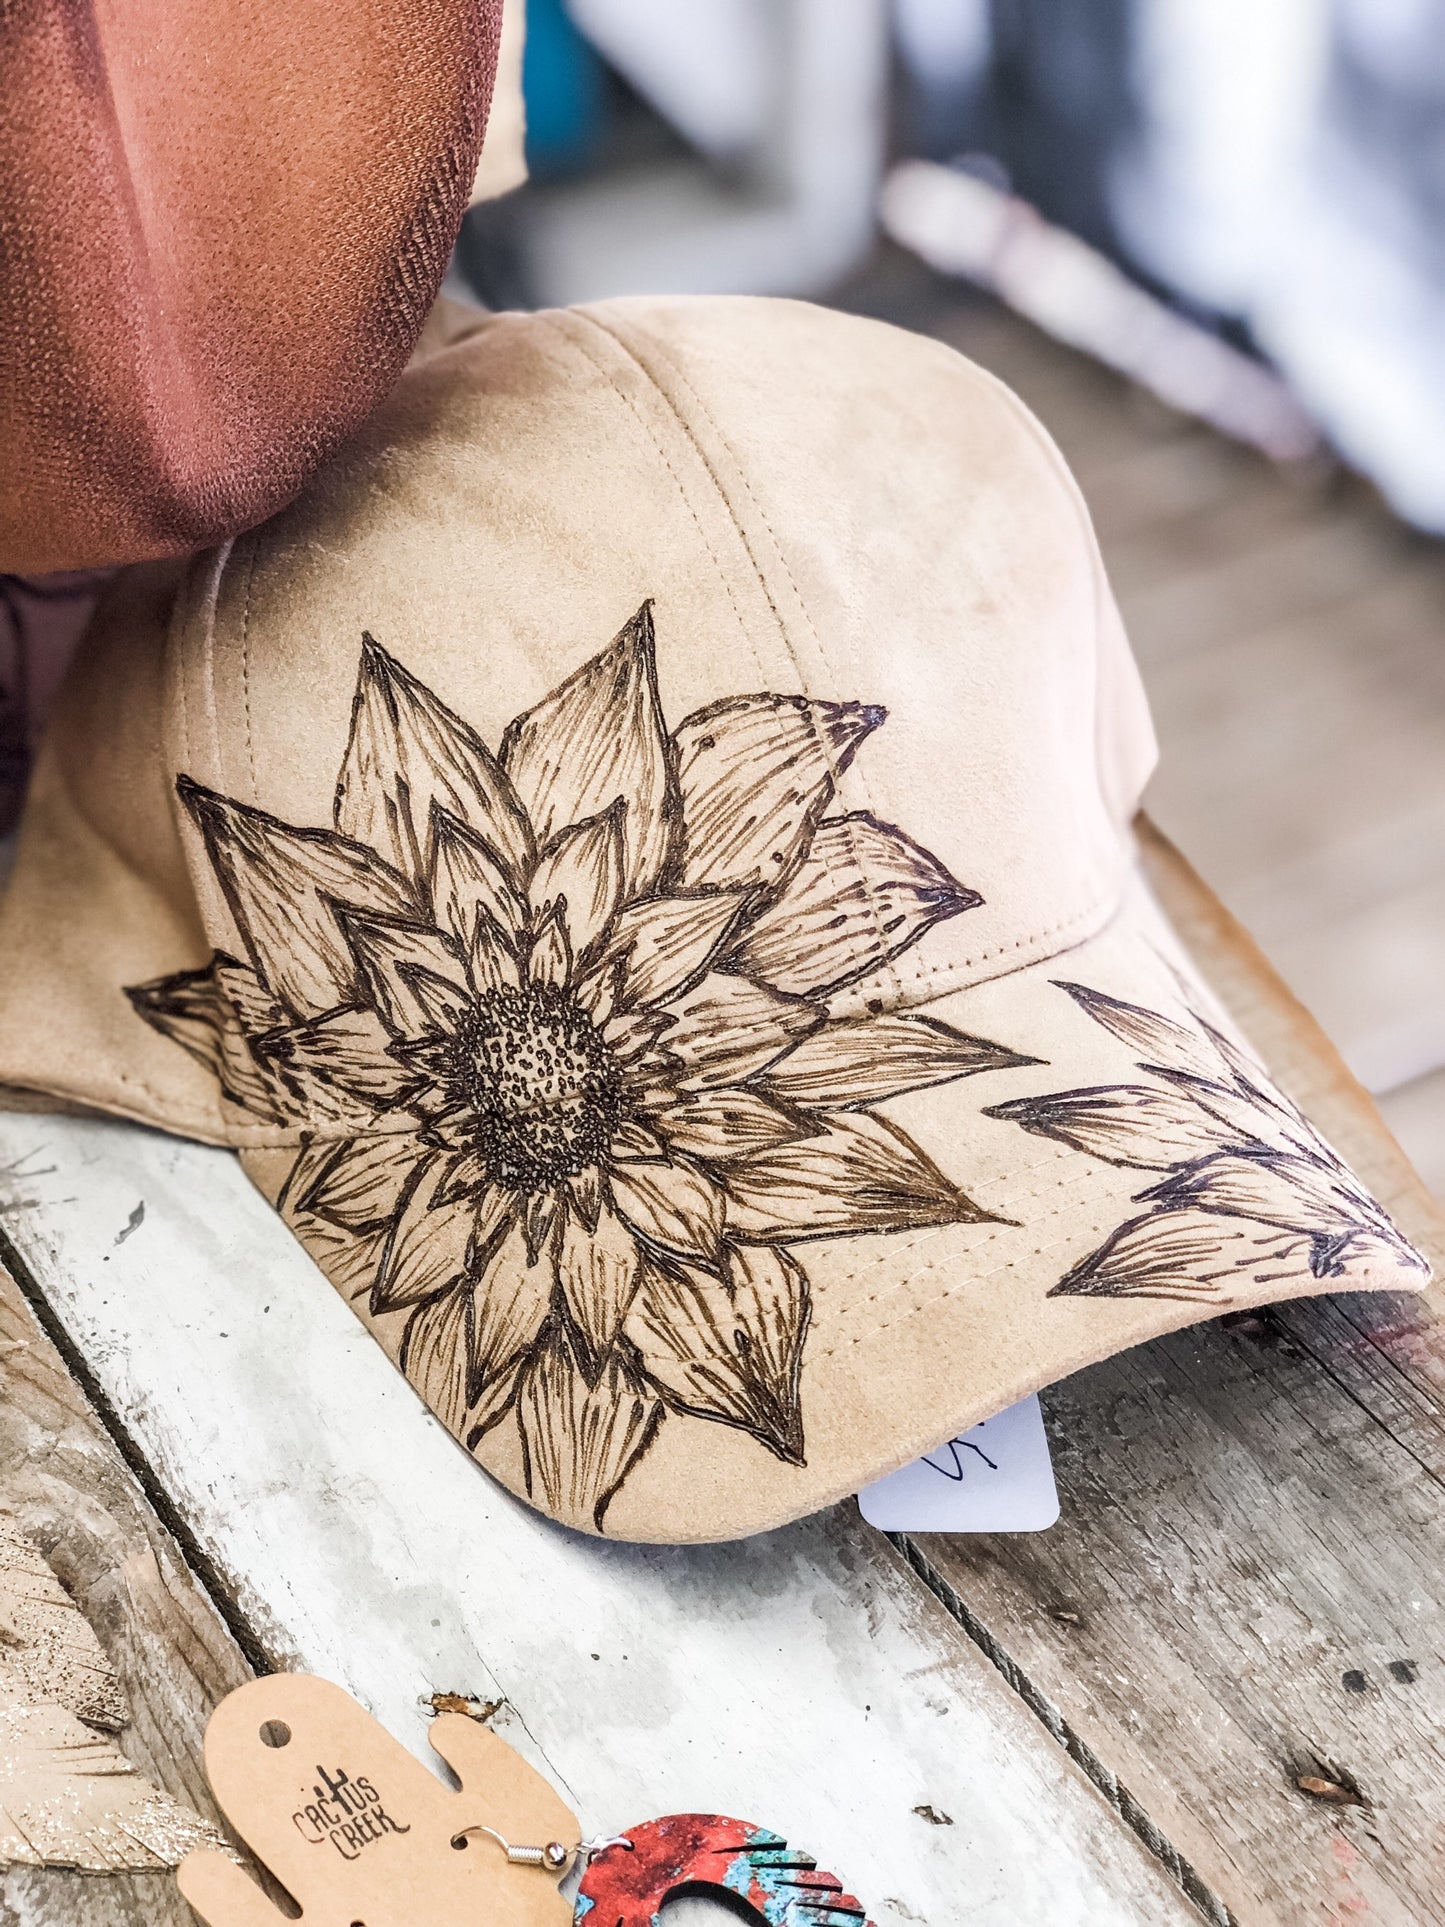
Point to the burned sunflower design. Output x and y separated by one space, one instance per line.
1244 1190
555 1026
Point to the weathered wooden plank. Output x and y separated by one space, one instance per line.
62 1478
804 1679
1243 1589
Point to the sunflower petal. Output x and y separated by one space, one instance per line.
348 1258
510 1305
1185 1255
633 1034
347 1049
862 896
467 1175
309 1164
598 1272
359 1185
729 1349
673 1205
437 1355
410 973
599 736
256 1010
213 1014
1250 1079
726 1029
1129 1124
730 1124
407 754
600 993
492 961
756 774
1159 1040
667 943
1247 1113
631 1144
539 1218
582 869
431 1240
1276 1187
869 1059
585 1189
282 886
860 1173
650 1084
579 1442
550 959
426 1247
469 876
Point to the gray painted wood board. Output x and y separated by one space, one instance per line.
63 1481
804 1679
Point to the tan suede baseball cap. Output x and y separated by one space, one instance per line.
637 859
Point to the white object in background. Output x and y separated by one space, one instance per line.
965 226
944 42
1280 171
998 1477
796 209
706 67
503 163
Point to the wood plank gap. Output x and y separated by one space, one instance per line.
1051 1718
807 1676
111 1422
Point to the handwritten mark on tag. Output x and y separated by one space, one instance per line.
998 1477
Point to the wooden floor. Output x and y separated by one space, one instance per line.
1292 638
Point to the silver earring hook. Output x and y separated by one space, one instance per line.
554 1855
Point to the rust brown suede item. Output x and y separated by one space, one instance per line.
221 229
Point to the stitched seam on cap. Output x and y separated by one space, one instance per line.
175 698
739 467
939 977
958 1277
723 576
662 455
850 834
224 1125
1046 444
246 669
1037 434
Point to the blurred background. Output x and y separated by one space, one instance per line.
1205 240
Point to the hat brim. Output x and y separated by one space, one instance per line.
1144 1171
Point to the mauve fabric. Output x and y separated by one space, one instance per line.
221 228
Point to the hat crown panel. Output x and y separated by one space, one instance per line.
816 505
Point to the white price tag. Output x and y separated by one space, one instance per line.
996 1478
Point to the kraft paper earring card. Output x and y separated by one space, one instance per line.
360 1834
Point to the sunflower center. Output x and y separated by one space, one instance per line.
541 1083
